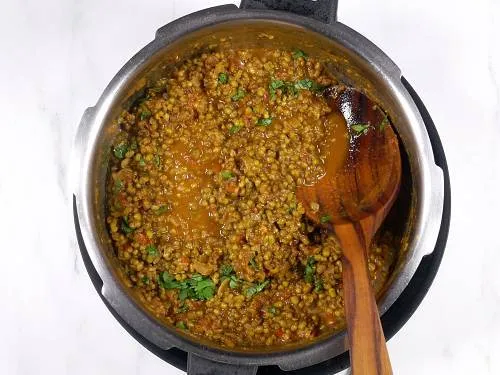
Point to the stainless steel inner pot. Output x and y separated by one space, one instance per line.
348 56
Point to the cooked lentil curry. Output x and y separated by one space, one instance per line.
201 200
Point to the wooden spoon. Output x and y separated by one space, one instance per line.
352 200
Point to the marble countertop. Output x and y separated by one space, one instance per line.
57 57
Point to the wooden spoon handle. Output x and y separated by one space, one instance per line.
368 352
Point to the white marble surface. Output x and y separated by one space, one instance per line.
57 56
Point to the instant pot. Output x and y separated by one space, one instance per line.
355 61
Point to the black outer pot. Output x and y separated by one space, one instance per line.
392 320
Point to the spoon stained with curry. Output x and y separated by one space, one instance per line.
352 200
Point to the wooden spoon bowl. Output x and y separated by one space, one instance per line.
352 199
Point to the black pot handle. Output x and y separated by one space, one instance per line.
201 366
321 10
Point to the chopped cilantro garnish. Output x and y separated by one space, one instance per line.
273 86
151 250
120 150
318 284
197 287
276 84
256 288
204 287
185 292
167 281
292 88
145 113
310 275
226 270
142 162
272 310
304 84
125 227
234 129
118 185
145 280
360 128
264 121
156 160
162 209
181 325
133 144
240 94
252 263
223 78
308 84
226 175
310 270
234 282
297 53
183 308
384 123
325 219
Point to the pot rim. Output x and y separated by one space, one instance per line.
429 208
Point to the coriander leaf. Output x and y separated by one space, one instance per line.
223 78
167 281
304 84
234 129
145 280
384 123
151 250
276 84
298 53
234 282
181 325
145 113
316 87
197 287
264 121
162 209
125 227
273 86
310 270
290 89
118 185
240 94
325 219
226 270
185 293
226 175
318 284
309 84
272 310
120 150
153 91
133 144
256 288
142 162
360 128
196 277
156 160
252 263
204 287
